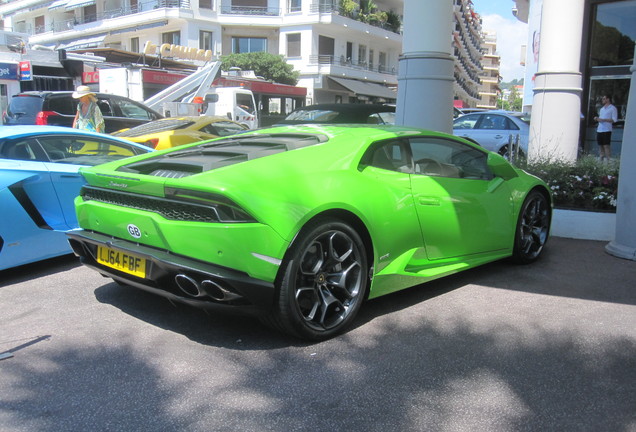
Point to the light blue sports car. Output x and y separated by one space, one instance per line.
39 180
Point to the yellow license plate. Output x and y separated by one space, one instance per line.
122 261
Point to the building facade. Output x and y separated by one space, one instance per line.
605 53
344 51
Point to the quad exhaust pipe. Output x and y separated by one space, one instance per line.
207 287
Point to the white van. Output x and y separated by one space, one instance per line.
235 103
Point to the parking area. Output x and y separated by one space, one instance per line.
544 347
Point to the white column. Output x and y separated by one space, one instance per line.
624 245
425 75
556 109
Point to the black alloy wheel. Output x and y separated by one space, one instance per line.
324 281
533 228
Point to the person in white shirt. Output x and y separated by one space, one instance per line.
607 116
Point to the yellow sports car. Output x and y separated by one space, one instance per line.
175 131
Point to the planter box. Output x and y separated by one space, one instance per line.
583 225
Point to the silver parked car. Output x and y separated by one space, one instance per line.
492 130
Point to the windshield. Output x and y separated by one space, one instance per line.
155 126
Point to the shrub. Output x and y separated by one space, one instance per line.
587 184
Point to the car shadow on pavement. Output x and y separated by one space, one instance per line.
224 329
38 269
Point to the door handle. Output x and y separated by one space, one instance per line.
430 201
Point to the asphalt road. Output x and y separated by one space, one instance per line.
545 347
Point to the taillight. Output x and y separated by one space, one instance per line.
42 118
152 143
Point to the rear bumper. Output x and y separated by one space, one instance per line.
218 287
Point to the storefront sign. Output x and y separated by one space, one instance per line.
90 77
177 51
26 73
9 71
157 77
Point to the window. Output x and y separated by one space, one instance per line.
391 155
132 110
40 27
613 34
371 55
293 44
205 40
362 54
295 5
85 151
90 13
446 158
205 4
466 122
134 44
326 49
382 62
496 122
21 150
223 129
248 44
173 38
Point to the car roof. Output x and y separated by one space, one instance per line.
18 131
41 93
349 108
346 113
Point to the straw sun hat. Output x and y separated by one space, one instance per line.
82 91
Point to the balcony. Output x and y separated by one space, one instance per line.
70 24
322 59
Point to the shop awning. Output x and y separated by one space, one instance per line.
83 43
74 4
365 88
58 4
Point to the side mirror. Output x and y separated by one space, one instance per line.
500 167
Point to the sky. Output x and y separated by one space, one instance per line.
511 34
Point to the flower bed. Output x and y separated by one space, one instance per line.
588 184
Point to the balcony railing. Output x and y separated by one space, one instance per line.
324 6
69 24
250 10
324 59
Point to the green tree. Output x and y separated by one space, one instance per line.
513 102
269 66
348 8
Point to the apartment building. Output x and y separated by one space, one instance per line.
467 48
490 78
345 52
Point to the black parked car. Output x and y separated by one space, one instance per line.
342 113
58 108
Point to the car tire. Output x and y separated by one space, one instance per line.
322 283
533 228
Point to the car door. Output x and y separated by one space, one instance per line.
27 178
492 131
462 208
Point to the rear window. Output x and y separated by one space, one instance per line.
24 105
63 105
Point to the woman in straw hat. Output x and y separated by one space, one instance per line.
88 117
